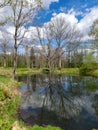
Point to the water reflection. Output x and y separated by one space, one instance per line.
60 100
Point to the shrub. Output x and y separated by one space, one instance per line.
88 68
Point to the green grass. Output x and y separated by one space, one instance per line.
25 71
45 128
67 71
4 79
6 71
9 102
30 71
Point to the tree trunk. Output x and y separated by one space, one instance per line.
69 59
15 62
15 55
28 61
4 60
59 56
59 62
27 56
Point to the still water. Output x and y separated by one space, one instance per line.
69 102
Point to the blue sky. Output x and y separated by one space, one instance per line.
79 7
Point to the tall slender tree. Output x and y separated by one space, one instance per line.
27 53
23 11
66 36
5 46
94 29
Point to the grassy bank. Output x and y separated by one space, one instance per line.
19 71
66 71
63 71
25 71
9 102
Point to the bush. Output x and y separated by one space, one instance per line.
88 68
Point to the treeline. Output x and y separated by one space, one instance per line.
35 59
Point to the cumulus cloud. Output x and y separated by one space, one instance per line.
54 14
68 17
84 24
87 21
47 3
63 9
75 12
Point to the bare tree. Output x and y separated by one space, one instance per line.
46 45
58 27
94 29
59 37
5 45
23 11
66 37
27 53
32 58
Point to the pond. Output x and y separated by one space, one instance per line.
69 102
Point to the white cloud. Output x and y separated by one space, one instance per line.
6 11
88 19
74 12
84 24
54 14
47 3
11 30
63 9
68 17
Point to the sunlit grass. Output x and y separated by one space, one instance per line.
4 79
6 71
9 102
30 71
25 71
95 73
45 128
67 71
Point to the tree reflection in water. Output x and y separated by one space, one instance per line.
49 99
